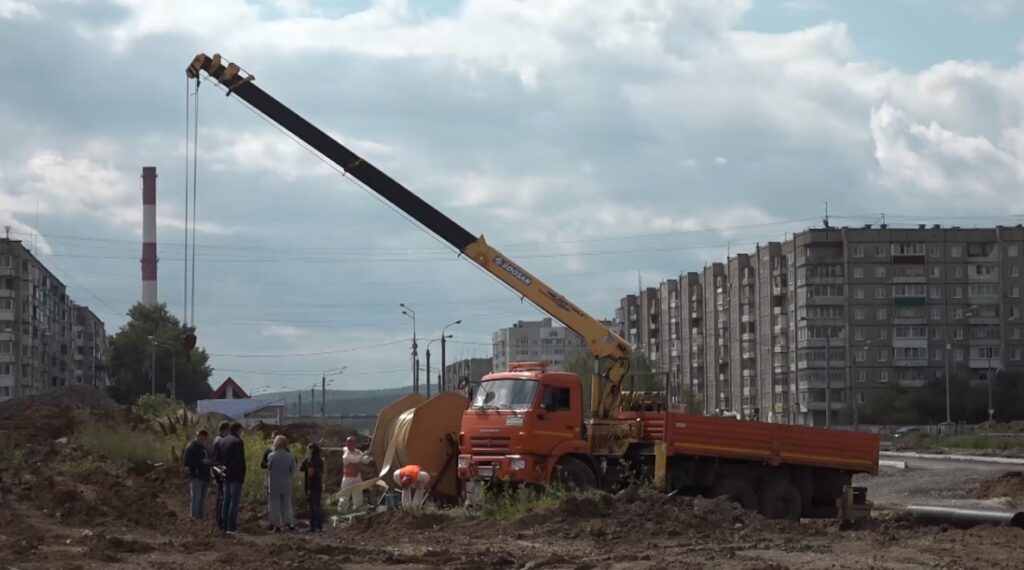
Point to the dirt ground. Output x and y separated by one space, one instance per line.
139 520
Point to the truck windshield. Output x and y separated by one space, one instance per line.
505 395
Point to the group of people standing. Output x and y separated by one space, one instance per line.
223 462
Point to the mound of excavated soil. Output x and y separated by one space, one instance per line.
1009 484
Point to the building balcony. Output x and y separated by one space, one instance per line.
974 320
747 373
779 310
826 300
697 363
909 279
910 361
780 348
819 406
747 336
910 342
985 363
748 355
780 368
747 318
912 382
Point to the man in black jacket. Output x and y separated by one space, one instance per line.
222 432
197 461
232 457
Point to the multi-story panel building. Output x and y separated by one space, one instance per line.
814 327
90 348
37 336
531 341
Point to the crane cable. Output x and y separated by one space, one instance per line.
191 171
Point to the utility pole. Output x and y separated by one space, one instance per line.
323 397
444 337
300 403
407 311
828 379
949 347
312 402
152 366
991 408
428 369
174 377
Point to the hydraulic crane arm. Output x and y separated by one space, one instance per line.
602 342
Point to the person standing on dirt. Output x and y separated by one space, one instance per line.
280 473
351 476
233 460
198 462
313 483
223 430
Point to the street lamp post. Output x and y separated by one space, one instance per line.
407 311
444 374
432 341
323 389
152 367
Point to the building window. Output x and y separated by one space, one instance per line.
936 313
858 314
6 304
858 272
858 293
936 271
862 398
936 354
6 347
936 333
1014 271
881 314
879 292
958 292
883 334
5 261
5 369
1014 312
862 376
958 271
883 376
858 334
1015 291
858 251
880 272
956 251
1012 250
860 355
958 355
958 313
1015 354
933 251
1015 334
958 334
879 251
935 292
883 354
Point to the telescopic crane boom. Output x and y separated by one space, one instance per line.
603 343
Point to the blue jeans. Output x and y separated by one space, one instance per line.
220 505
197 489
232 500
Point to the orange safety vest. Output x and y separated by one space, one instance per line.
351 470
412 471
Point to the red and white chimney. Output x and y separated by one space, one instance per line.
149 259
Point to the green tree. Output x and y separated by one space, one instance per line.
641 376
131 351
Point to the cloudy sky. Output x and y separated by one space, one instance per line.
595 142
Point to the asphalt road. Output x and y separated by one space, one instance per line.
934 481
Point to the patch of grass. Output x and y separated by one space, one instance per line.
512 503
13 457
126 447
971 441
255 486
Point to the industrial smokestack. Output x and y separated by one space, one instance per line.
149 259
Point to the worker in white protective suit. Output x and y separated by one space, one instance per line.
414 481
353 458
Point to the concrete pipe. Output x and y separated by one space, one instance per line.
965 518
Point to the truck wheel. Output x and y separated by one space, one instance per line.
738 491
572 472
781 500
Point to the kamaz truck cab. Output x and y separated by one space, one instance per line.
526 426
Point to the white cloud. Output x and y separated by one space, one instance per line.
10 9
282 331
272 152
720 160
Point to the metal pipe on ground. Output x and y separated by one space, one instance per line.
965 518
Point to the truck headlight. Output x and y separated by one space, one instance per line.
463 463
517 464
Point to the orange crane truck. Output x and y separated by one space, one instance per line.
527 424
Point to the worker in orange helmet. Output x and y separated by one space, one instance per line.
353 457
413 480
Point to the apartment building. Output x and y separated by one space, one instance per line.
40 344
531 341
826 319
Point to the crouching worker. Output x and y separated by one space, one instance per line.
413 481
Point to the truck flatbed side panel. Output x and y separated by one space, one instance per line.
772 444
850 450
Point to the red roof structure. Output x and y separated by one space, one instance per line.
229 390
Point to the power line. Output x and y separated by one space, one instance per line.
319 353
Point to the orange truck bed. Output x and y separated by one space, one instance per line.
773 444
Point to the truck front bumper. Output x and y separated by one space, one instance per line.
512 468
